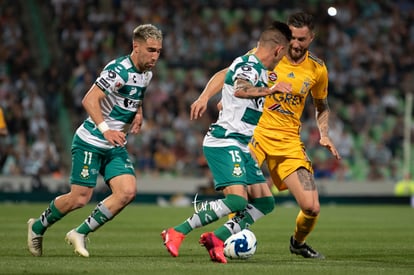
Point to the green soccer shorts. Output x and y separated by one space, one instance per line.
230 165
88 161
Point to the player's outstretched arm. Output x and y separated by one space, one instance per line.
214 85
322 120
244 89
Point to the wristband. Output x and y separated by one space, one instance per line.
103 127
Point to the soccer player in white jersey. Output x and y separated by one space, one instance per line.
225 147
114 106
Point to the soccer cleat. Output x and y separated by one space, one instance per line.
77 240
214 246
304 250
172 240
34 241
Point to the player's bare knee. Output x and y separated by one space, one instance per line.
127 195
75 200
310 207
131 196
312 211
80 202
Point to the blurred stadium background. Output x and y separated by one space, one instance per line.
51 52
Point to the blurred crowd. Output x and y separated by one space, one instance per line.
367 47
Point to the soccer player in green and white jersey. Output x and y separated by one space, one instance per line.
225 147
114 106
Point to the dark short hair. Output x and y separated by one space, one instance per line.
277 32
300 20
283 28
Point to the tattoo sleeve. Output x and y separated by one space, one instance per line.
244 89
322 116
306 179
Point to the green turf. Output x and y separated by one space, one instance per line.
355 240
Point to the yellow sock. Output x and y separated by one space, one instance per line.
231 215
304 225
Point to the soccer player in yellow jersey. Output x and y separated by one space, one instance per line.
276 138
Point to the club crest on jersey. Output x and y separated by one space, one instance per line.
85 172
272 76
305 86
237 171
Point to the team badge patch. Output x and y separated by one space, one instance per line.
272 76
85 172
237 171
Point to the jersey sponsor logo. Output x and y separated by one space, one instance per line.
278 108
103 84
259 102
287 98
272 76
132 104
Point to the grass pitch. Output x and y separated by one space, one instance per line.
355 240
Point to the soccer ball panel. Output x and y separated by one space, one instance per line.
241 245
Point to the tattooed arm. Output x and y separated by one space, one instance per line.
322 120
244 89
322 116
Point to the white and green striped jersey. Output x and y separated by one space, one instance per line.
239 116
124 87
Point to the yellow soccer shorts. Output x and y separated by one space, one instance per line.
282 157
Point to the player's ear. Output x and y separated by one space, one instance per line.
278 49
312 36
135 46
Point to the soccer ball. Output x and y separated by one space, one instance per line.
241 245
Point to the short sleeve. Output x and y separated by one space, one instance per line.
112 78
320 89
246 72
